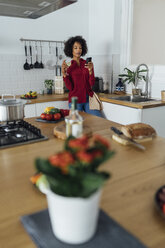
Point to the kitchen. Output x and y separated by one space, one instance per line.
124 173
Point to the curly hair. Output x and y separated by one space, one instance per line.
69 46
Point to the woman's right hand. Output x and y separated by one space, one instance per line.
64 68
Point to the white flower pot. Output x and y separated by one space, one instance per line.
73 219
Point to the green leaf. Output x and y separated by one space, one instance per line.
125 80
131 81
91 182
128 70
43 165
124 75
65 186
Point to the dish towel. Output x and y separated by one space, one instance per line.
109 233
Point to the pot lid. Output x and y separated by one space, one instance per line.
11 101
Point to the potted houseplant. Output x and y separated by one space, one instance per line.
48 85
131 77
72 183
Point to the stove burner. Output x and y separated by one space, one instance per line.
10 129
18 133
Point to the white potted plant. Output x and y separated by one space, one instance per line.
48 85
130 77
72 183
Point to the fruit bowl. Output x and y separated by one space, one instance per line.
29 95
47 121
53 115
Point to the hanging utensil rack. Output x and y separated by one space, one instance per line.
48 41
41 65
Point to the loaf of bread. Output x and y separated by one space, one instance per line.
138 131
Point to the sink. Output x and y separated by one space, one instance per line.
132 99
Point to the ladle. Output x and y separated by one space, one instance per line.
31 65
36 64
61 51
26 66
41 64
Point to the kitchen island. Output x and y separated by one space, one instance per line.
128 196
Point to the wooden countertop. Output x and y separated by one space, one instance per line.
48 98
138 105
128 196
103 97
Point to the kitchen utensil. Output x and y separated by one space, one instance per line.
163 95
36 64
26 66
61 51
50 64
31 65
11 108
41 64
56 60
131 141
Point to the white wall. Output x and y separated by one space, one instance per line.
148 35
103 36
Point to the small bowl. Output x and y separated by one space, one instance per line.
158 201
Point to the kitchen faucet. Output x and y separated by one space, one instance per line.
146 93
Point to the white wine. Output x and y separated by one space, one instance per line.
74 122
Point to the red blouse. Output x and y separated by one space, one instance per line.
78 81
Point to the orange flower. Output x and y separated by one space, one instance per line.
79 143
97 154
62 160
84 156
99 139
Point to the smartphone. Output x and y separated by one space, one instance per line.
88 60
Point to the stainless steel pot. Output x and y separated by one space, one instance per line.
11 108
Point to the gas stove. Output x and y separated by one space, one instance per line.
18 133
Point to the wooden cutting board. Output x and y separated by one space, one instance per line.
126 142
60 131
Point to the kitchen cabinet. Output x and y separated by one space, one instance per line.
33 110
121 114
154 116
30 110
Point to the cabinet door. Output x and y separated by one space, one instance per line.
29 110
121 114
156 118
57 104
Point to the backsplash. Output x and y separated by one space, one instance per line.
14 79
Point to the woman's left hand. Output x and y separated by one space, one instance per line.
89 66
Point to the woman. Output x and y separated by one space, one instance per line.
79 76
